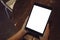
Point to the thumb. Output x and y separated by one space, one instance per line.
25 22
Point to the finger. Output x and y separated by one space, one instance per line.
23 27
34 38
28 37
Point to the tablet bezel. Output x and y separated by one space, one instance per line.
35 33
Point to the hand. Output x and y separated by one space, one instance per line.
45 36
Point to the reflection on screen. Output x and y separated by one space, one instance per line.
38 18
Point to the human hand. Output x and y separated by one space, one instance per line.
44 37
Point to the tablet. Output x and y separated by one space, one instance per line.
38 19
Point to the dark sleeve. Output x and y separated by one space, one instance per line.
7 28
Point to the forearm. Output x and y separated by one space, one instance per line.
18 35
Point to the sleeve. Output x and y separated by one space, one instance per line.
7 28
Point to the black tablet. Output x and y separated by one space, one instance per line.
38 19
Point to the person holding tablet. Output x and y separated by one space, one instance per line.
22 32
18 34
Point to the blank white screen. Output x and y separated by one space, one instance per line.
38 18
